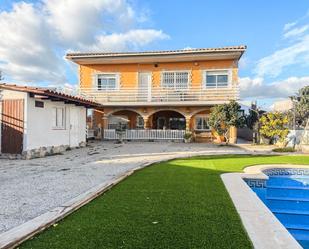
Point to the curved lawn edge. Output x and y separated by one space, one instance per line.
17 235
263 228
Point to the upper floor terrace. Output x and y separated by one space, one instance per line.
175 89
183 77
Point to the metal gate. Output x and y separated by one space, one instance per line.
12 128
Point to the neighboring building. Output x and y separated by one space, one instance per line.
38 121
283 105
160 90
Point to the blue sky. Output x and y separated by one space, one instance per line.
276 33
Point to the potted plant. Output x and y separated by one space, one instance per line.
223 118
187 136
218 138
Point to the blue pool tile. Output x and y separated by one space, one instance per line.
286 194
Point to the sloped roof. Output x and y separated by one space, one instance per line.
233 52
240 48
51 94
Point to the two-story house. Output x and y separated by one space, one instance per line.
159 90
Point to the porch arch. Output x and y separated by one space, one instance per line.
172 119
200 110
166 109
123 109
136 120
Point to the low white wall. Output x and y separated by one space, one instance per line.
297 136
39 131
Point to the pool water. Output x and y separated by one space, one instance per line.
286 194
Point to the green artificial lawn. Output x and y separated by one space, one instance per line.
177 204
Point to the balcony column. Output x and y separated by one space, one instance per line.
233 135
188 122
146 122
105 122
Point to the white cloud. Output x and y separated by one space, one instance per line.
289 25
295 53
78 22
34 37
132 39
26 45
273 64
296 32
244 62
257 88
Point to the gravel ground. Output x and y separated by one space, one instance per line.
29 188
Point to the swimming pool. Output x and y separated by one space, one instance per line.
286 194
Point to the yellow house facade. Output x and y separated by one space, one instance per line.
159 90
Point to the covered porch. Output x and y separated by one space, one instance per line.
157 123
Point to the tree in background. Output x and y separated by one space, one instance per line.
274 125
225 116
301 106
252 118
1 77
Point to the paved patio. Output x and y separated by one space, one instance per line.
29 188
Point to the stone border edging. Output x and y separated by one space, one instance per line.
17 235
263 228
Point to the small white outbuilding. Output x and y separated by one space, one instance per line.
39 121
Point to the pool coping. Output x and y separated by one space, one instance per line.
263 228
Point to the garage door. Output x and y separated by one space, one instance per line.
12 127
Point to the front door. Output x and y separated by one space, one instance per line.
12 128
144 86
74 114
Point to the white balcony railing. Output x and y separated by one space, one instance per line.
160 95
110 134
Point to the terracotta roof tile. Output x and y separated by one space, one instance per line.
50 93
241 48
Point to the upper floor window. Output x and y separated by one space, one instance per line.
215 79
107 81
175 79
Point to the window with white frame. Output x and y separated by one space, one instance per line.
214 79
175 79
201 123
58 118
107 81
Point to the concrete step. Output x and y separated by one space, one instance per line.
287 192
287 204
288 181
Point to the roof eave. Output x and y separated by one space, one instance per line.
154 58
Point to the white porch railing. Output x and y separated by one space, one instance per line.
110 134
157 95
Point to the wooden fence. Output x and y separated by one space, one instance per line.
110 134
